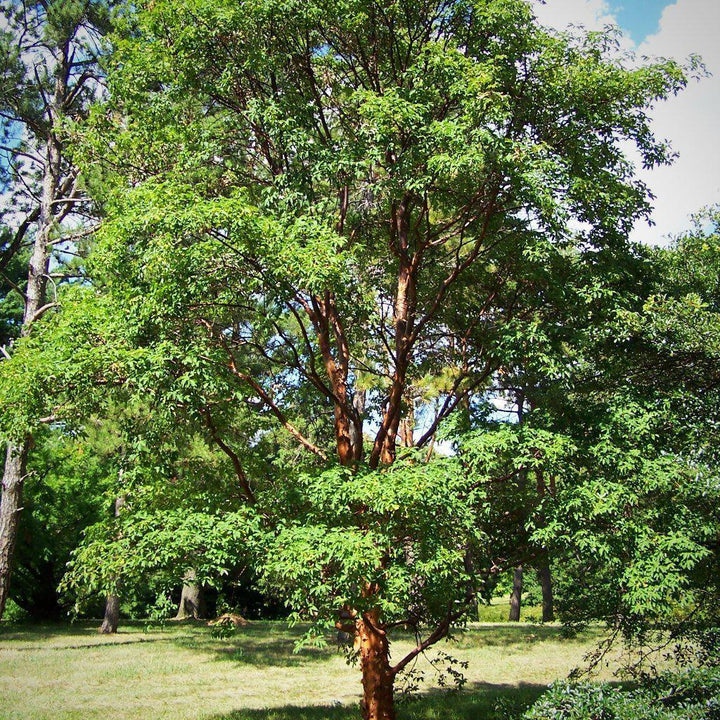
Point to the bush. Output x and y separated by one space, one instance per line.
14 613
688 695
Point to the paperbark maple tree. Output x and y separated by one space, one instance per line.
329 201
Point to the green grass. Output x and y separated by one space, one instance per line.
182 672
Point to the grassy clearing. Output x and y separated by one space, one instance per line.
182 672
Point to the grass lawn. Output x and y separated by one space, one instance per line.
182 672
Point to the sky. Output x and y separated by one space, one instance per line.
691 120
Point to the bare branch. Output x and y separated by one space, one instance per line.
438 634
76 235
41 311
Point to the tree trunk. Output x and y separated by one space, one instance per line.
516 595
384 447
356 429
548 608
377 675
112 616
112 604
192 599
407 425
35 305
10 506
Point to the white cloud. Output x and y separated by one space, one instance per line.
690 121
593 14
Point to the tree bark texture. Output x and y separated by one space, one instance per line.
378 678
112 604
10 506
356 429
516 595
385 443
407 425
112 616
548 606
35 299
192 598
348 419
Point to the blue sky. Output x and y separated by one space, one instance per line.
690 121
639 18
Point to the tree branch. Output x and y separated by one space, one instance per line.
12 249
278 412
438 634
41 311
237 465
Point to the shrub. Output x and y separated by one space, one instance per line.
689 695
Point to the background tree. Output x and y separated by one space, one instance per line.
48 72
631 522
65 493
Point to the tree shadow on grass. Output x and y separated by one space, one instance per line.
263 644
109 642
260 646
481 701
26 630
30 634
278 653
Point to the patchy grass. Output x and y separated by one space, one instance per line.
182 672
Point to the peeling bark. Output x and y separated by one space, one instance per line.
407 425
378 677
385 444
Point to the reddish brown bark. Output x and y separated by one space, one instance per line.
378 677
405 301
234 457
347 419
343 438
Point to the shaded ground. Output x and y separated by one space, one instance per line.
70 672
